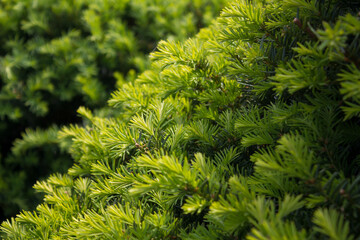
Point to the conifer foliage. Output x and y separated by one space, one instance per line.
248 131
56 55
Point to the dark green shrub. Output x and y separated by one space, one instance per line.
248 131
58 55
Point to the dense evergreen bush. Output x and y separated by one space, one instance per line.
249 130
58 55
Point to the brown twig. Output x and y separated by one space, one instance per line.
307 29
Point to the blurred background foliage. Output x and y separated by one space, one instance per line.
58 55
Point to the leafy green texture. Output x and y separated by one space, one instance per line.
58 55
247 131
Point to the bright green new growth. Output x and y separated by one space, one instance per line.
248 131
56 55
